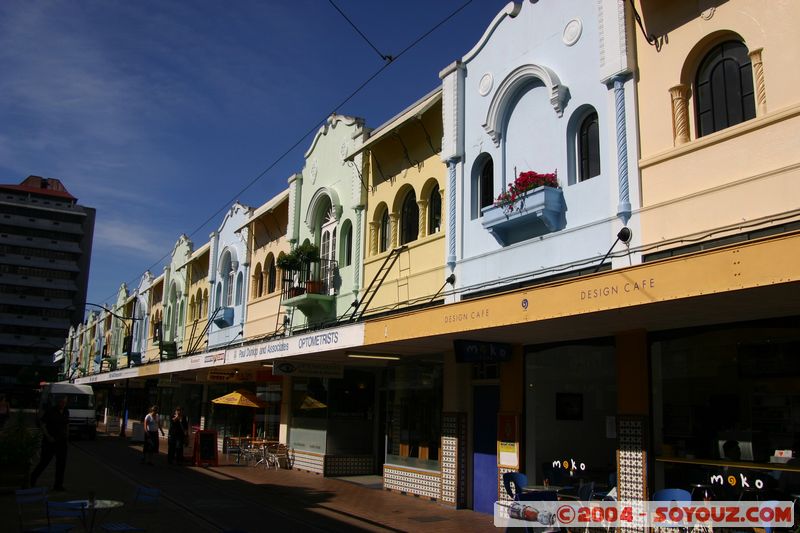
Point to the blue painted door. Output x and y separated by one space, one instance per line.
486 400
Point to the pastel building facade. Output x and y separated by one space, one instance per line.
404 252
229 276
267 242
529 98
326 209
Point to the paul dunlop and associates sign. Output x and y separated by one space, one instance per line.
303 344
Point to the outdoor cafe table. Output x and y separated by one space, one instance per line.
90 508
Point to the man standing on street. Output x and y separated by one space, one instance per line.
178 432
55 430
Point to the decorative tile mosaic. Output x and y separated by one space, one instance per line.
454 459
349 465
632 463
410 482
501 489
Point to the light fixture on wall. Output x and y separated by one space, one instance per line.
373 356
623 235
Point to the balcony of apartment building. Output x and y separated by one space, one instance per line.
25 221
41 243
310 286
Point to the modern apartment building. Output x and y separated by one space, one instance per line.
45 252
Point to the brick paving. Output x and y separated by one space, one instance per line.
234 497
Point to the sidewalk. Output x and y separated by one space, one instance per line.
241 498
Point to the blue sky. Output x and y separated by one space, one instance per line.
158 113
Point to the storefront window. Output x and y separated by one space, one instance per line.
268 421
570 413
351 414
724 398
414 414
309 414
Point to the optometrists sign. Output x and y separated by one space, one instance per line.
304 343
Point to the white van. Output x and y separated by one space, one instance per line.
80 402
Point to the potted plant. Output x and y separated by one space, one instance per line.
532 205
309 253
19 444
514 197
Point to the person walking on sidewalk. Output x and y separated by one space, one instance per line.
55 431
178 432
151 428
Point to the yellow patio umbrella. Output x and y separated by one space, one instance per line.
241 398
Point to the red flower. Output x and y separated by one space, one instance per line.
524 183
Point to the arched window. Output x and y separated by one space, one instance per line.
204 311
239 288
588 148
258 282
385 232
218 296
347 245
434 211
192 308
724 88
485 189
271 276
409 219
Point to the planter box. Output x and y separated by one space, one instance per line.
540 211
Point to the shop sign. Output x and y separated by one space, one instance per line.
481 352
307 370
230 375
214 358
320 341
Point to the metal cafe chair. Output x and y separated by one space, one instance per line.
61 510
34 500
144 497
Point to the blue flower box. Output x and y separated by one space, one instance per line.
538 212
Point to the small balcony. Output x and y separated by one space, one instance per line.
538 212
312 288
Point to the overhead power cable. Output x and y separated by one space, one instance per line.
309 131
361 33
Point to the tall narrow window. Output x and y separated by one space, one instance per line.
258 282
724 88
486 185
229 289
409 219
589 148
271 277
434 211
385 232
347 246
239 288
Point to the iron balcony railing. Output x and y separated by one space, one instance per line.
312 278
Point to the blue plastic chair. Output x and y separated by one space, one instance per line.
672 495
514 483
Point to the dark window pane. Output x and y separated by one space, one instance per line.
384 233
434 211
724 88
589 148
409 222
486 185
